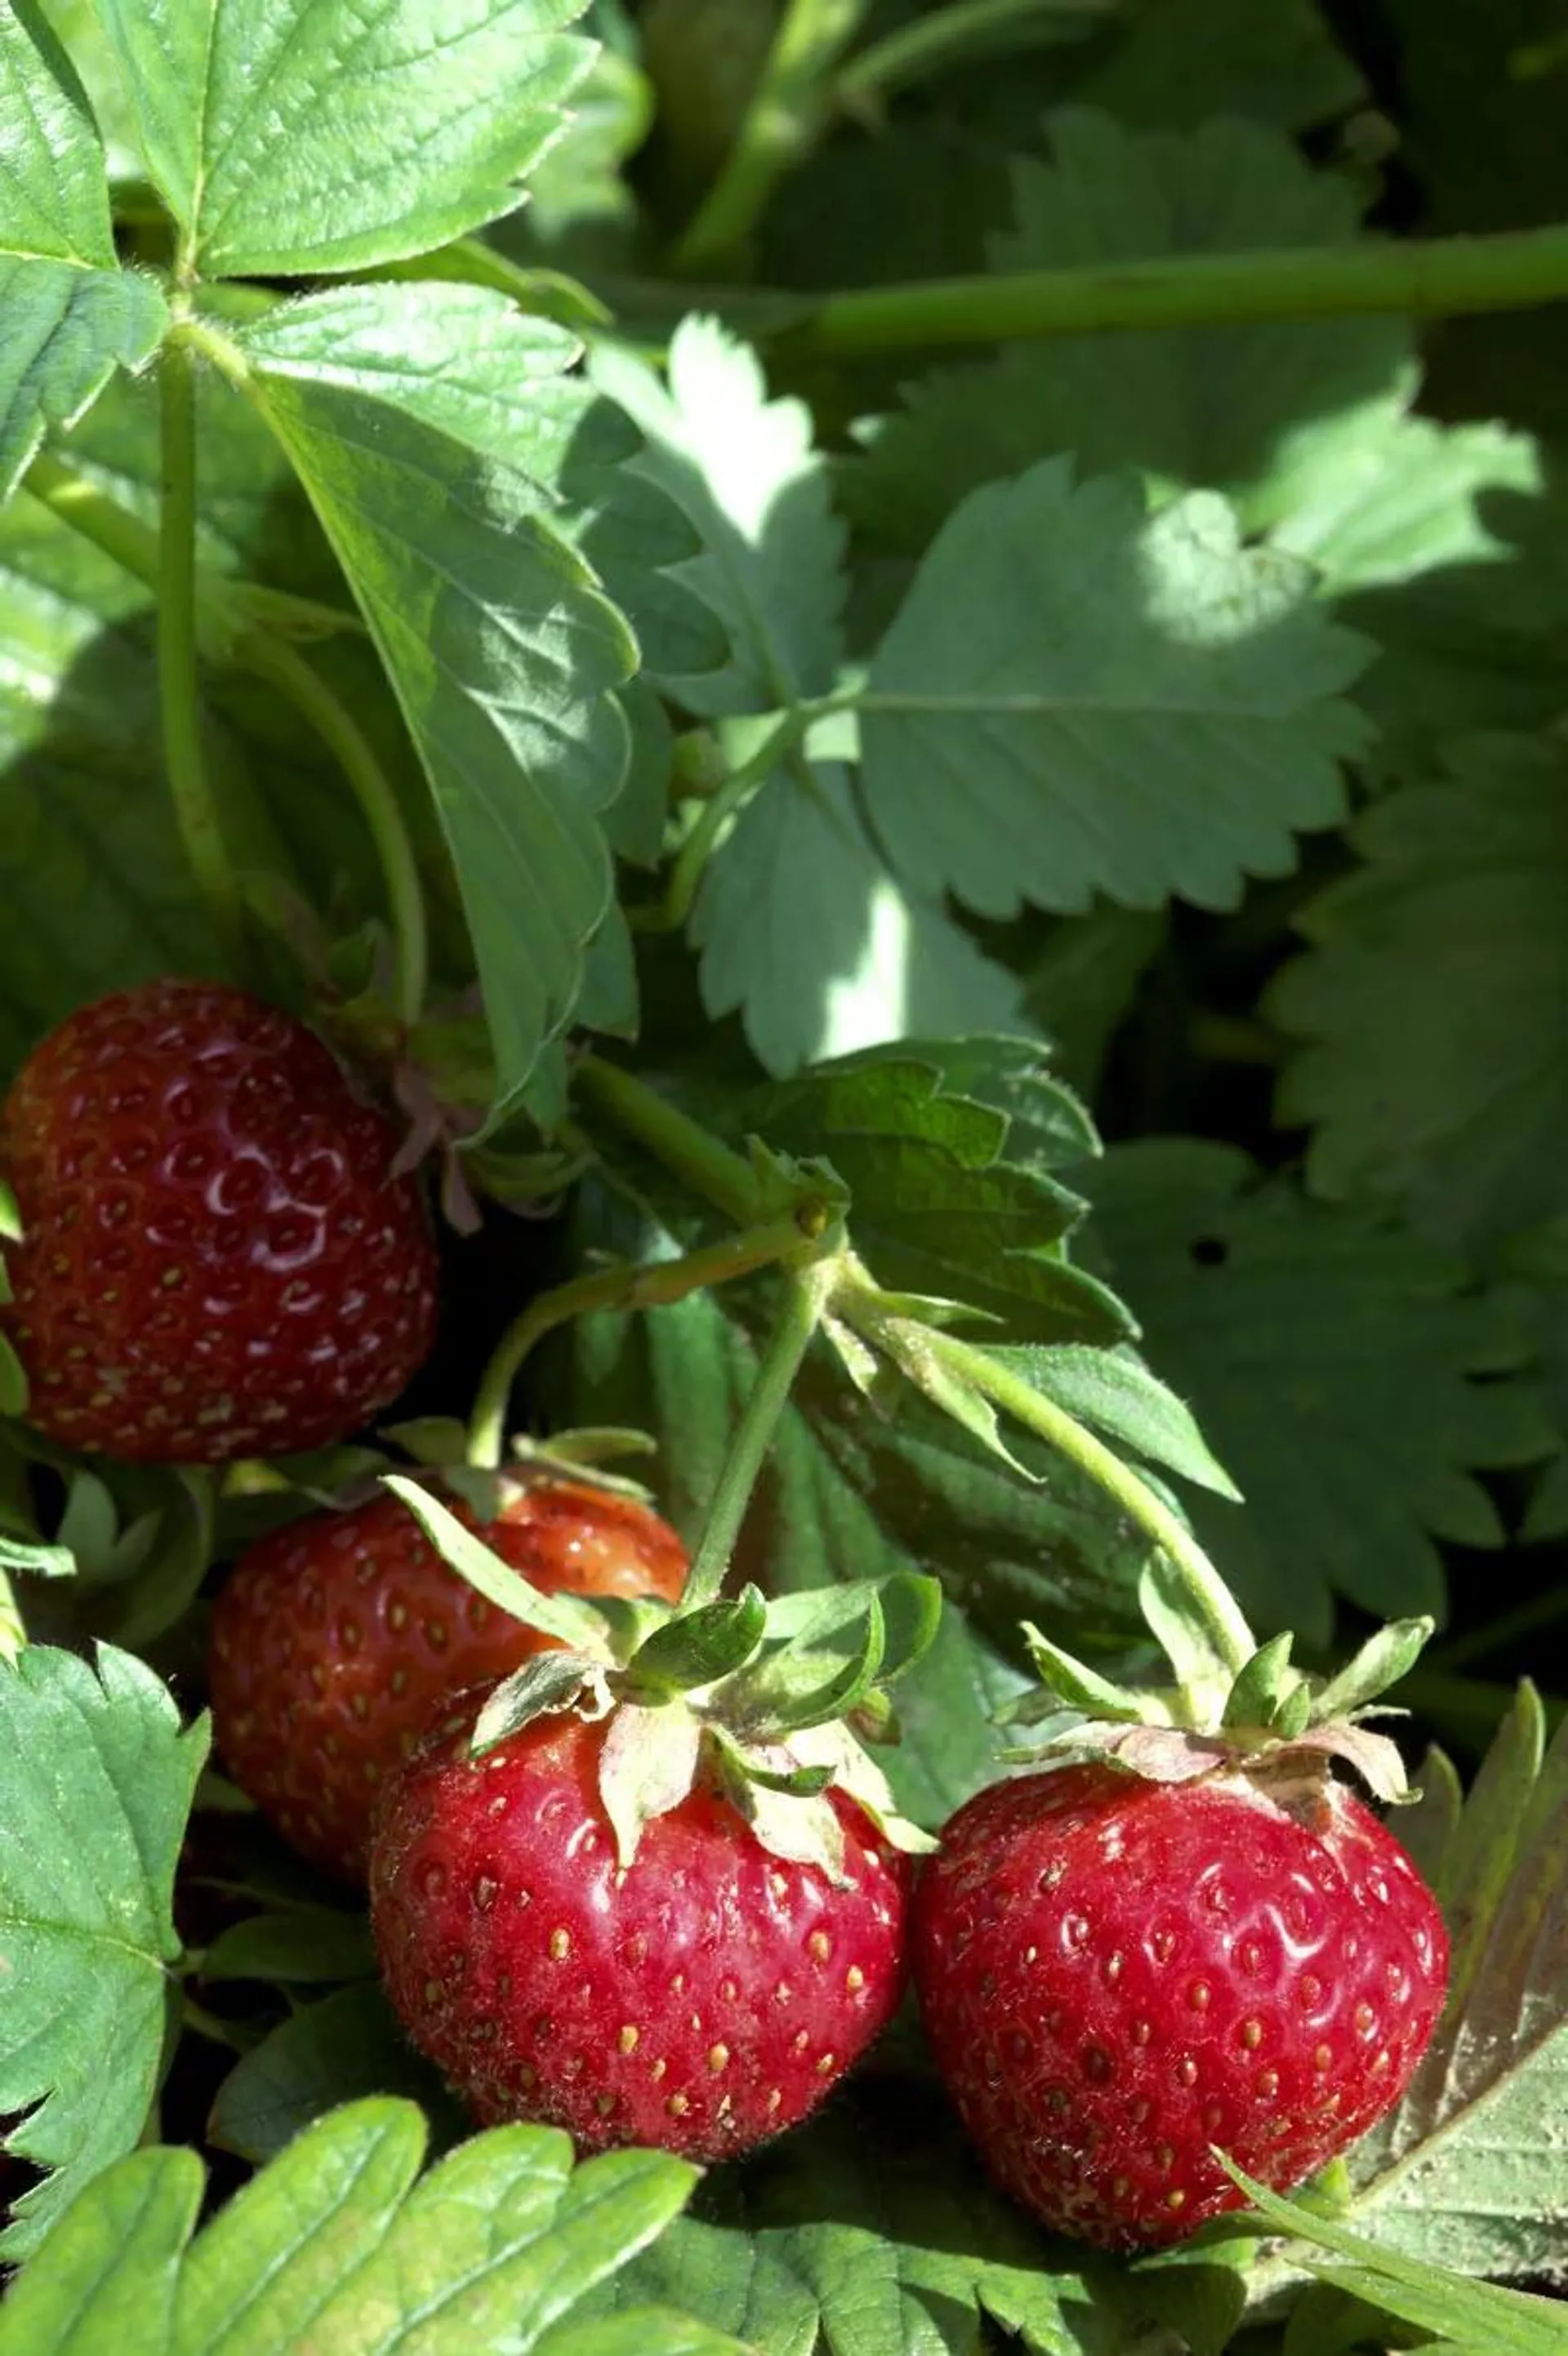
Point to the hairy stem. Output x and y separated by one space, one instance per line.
715 1171
647 1285
1419 278
777 127
1214 1607
195 810
927 44
806 1294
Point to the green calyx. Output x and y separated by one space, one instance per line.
754 1697
1266 1719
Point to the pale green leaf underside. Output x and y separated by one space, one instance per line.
1076 698
1328 1361
1433 999
504 658
1469 2170
95 1785
341 2244
802 929
295 136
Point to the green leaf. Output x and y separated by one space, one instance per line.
1330 1360
342 2243
349 2044
1472 2318
71 314
96 1779
1110 195
1114 1391
804 933
504 657
566 1617
1467 2170
1387 1655
938 1208
698 1646
647 1764
294 138
305 1943
1434 996
1183 61
36 1558
1266 1687
1061 654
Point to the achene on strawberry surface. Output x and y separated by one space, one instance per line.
702 2000
1116 1975
337 1639
215 1260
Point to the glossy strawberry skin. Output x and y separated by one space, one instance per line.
215 1260
337 1639
1115 1975
705 2000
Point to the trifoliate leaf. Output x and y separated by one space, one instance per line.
71 314
820 950
938 1208
504 657
1435 997
96 1779
1112 195
305 1944
294 138
1184 61
347 2045
1329 1360
1467 2170
1076 698
341 2242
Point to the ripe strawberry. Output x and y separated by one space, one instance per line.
215 1262
706 1996
1116 1974
337 1639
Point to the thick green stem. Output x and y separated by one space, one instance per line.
648 1285
721 1176
227 632
931 42
284 668
806 1294
777 127
1412 278
1214 1606
195 810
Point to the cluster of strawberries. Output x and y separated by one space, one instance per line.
1116 1975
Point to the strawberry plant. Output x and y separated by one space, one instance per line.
783 1420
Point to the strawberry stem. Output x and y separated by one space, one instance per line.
720 1175
806 1294
196 812
13 1635
648 1285
1213 1607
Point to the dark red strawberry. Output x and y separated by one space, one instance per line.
337 1639
703 1998
1116 1974
215 1260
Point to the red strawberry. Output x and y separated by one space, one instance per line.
215 1262
704 1999
1116 1974
337 1638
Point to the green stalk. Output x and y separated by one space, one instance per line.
1214 1607
928 43
1417 278
648 1285
777 125
225 633
721 1176
13 1634
806 1294
196 812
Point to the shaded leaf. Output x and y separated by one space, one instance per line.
349 2044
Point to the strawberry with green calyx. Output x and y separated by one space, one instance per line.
1181 1934
652 1887
338 1637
